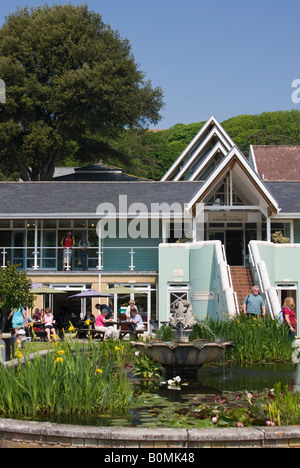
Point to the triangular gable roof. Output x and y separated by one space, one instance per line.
228 163
188 158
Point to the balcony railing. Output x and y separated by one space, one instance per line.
96 258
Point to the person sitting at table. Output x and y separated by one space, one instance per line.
87 324
130 308
102 323
137 320
37 315
104 308
89 316
49 327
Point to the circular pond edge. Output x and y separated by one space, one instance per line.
31 434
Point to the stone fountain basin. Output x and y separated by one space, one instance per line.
184 358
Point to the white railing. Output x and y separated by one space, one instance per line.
225 275
230 280
95 258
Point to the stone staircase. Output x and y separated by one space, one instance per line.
242 282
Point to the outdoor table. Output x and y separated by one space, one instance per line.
130 329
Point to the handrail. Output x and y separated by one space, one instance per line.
230 280
226 280
266 288
37 255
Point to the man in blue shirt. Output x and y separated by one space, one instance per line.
254 304
137 320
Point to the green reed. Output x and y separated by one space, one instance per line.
69 381
256 339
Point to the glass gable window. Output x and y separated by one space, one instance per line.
222 197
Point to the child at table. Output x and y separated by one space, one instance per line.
49 327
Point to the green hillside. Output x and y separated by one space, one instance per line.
150 153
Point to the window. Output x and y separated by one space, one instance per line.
177 292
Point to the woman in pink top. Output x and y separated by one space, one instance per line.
289 315
49 327
100 324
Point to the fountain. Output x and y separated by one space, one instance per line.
181 357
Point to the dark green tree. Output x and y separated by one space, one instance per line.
68 78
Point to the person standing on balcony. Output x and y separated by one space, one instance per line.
84 246
68 242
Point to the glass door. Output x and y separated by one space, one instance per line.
49 251
288 290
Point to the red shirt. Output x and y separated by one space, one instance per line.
68 241
287 312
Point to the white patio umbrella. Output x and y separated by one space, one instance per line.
46 290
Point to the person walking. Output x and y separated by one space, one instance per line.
18 319
289 315
254 304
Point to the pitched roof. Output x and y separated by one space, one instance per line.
287 194
276 163
234 160
81 199
194 160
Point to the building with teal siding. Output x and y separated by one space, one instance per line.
215 224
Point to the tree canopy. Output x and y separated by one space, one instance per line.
152 153
71 83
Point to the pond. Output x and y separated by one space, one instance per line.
156 405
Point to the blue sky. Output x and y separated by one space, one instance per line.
223 57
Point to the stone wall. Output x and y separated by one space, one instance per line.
29 434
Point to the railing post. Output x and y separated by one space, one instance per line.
67 251
100 257
35 262
131 266
3 258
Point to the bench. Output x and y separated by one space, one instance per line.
134 333
40 334
94 333
123 333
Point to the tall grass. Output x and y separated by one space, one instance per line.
69 381
256 340
284 406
